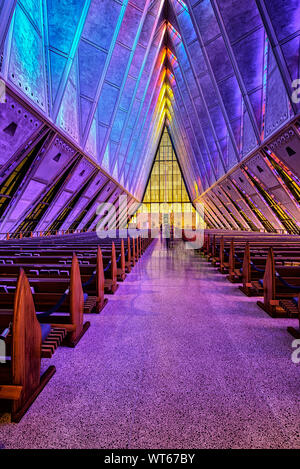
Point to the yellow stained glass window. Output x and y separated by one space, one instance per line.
166 190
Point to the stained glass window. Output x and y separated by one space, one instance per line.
166 190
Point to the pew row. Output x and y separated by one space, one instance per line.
20 373
292 330
279 284
55 304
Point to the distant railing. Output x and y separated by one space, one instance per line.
42 234
38 234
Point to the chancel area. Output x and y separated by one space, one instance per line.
149 224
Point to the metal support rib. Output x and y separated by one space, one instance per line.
219 97
279 57
232 59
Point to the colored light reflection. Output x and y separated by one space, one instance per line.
183 4
170 91
172 58
171 77
173 33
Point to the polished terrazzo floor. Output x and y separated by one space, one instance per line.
179 358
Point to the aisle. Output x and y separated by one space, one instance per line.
179 358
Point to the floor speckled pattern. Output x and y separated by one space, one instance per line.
179 358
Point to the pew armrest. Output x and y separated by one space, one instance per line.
12 392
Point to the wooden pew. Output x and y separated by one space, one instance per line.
293 331
20 377
128 264
223 258
121 270
221 247
85 255
239 257
133 254
279 283
248 267
58 266
95 286
73 322
111 284
233 274
78 246
250 272
51 305
253 269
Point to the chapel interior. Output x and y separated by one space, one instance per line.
149 224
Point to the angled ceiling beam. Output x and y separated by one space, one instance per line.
5 19
183 132
101 81
144 177
191 125
219 97
186 177
216 141
140 75
67 69
178 118
122 86
139 129
279 57
156 122
235 68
